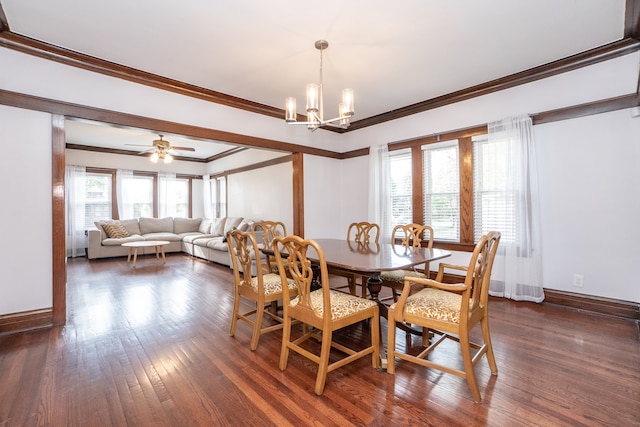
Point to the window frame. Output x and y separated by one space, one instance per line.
154 175
465 158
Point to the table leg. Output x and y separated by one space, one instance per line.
374 284
129 256
164 260
135 257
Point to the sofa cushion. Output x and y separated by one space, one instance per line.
115 230
172 237
206 239
205 226
103 234
245 224
217 226
156 225
230 224
189 235
218 244
131 225
186 225
117 242
192 237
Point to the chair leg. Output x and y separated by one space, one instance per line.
468 368
375 339
286 336
486 336
323 364
391 342
234 316
257 326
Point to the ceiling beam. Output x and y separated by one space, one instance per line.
632 19
70 110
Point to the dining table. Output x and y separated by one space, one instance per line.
370 260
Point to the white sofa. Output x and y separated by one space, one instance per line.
203 238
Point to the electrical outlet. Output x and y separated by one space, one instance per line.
578 280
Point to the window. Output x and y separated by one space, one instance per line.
173 196
219 196
98 201
401 192
140 195
432 181
181 192
441 187
495 201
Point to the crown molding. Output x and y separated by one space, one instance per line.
51 52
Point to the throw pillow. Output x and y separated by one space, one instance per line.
115 230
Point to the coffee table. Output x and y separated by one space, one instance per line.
134 246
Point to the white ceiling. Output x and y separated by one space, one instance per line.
391 54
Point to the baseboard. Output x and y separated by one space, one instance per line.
609 306
26 320
613 307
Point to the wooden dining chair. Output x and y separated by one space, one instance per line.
268 230
263 288
323 311
409 235
363 234
450 311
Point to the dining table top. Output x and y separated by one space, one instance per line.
375 257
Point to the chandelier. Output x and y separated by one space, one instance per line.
315 104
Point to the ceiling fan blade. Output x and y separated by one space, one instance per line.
183 148
138 145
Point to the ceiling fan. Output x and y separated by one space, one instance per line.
162 150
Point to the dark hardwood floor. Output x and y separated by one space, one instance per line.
150 347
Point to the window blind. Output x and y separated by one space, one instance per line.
441 186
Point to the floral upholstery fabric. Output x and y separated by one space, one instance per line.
433 304
272 284
399 275
342 304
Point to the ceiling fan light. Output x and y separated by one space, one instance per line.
168 158
154 157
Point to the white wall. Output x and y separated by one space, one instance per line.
589 174
322 197
263 194
25 252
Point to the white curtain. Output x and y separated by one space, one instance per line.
75 183
206 196
124 194
522 263
167 200
380 190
